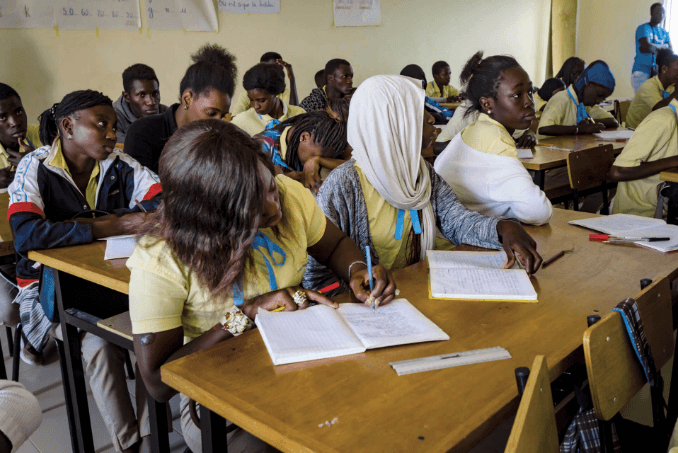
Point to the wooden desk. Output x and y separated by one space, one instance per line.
669 176
450 409
450 105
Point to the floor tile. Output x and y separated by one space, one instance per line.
28 447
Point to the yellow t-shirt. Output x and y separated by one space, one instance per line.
649 93
656 138
253 123
283 142
91 192
538 103
561 111
489 136
433 91
244 101
33 136
164 293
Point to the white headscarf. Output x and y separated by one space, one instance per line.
385 131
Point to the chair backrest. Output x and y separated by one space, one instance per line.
589 167
534 428
620 110
615 375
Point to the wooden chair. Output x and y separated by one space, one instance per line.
620 109
615 376
534 428
588 170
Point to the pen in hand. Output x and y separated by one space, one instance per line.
368 257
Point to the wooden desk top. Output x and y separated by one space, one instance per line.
87 262
450 105
547 158
434 411
669 175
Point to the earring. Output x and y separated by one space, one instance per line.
70 137
186 107
489 112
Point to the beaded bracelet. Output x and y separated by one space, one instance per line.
236 322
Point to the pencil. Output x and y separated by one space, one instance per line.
368 256
553 259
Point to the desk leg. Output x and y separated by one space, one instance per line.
67 393
539 177
157 414
672 191
75 387
213 427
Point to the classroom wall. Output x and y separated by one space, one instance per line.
43 67
606 31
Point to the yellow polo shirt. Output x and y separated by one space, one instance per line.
489 136
538 103
32 134
649 93
164 293
243 102
253 123
561 111
656 138
91 192
433 91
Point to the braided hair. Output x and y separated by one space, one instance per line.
324 130
70 105
482 78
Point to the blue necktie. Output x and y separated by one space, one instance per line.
400 223
581 109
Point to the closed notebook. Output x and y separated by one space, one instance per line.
477 276
320 332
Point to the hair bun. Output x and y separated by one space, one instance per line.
470 67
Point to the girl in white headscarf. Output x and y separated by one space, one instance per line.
388 198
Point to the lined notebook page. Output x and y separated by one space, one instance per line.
623 134
397 323
297 336
481 284
460 260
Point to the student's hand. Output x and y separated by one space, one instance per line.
15 156
288 68
453 99
384 285
586 127
283 298
311 175
527 140
515 239
6 176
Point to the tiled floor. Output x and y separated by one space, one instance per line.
53 434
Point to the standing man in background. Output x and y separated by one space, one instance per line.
650 38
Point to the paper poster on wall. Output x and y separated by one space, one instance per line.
251 6
189 15
357 13
101 14
26 14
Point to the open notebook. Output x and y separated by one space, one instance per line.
320 332
477 276
627 225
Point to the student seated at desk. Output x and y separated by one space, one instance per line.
207 264
288 95
441 114
653 148
140 98
390 199
546 92
17 137
54 185
440 89
338 84
263 84
571 70
205 92
301 146
576 110
656 92
481 163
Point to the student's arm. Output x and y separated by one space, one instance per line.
647 47
644 170
310 175
6 176
581 128
293 84
609 123
665 102
526 140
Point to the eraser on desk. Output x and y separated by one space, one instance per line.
599 237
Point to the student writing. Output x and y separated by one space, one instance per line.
263 84
481 163
54 186
656 92
388 198
205 92
208 263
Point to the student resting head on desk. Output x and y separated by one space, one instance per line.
390 199
205 92
440 89
51 202
264 83
576 110
656 92
301 146
207 264
17 137
546 92
481 163
289 93
571 70
652 148
338 84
